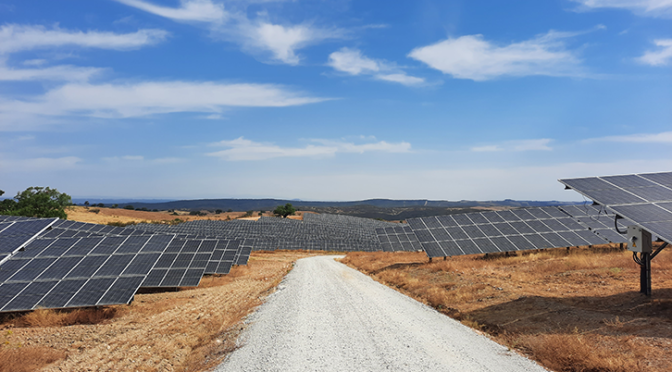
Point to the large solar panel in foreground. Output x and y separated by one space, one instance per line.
75 272
643 198
501 231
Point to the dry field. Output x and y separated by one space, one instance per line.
577 310
125 216
186 330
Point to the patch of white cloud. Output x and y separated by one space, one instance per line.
489 148
54 73
189 10
16 38
652 138
242 149
660 57
282 41
145 98
257 36
661 8
541 144
472 57
353 62
401 78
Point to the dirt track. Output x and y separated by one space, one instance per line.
326 316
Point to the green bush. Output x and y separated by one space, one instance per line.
37 202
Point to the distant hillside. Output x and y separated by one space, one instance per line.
372 208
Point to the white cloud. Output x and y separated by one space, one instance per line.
132 100
243 149
168 160
257 36
644 7
16 38
189 10
655 138
281 41
660 57
541 144
353 62
39 164
401 78
472 57
491 148
55 73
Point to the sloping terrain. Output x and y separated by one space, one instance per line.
186 330
576 310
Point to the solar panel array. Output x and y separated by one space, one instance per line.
74 272
317 232
645 199
502 231
52 263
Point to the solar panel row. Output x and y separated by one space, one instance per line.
73 264
502 231
645 199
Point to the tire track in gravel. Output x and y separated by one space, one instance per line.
326 316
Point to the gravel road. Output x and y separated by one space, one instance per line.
326 316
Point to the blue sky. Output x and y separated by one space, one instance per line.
332 100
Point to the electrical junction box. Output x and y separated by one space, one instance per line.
639 240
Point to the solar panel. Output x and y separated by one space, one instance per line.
75 272
644 199
224 256
511 230
182 264
244 251
398 238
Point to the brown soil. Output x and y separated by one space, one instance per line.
186 330
120 215
577 310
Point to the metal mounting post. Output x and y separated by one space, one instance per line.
645 273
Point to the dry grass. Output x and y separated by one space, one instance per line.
28 359
184 330
576 310
56 318
124 216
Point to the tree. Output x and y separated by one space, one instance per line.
284 210
86 203
37 202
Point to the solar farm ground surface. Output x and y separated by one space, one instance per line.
545 305
571 311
